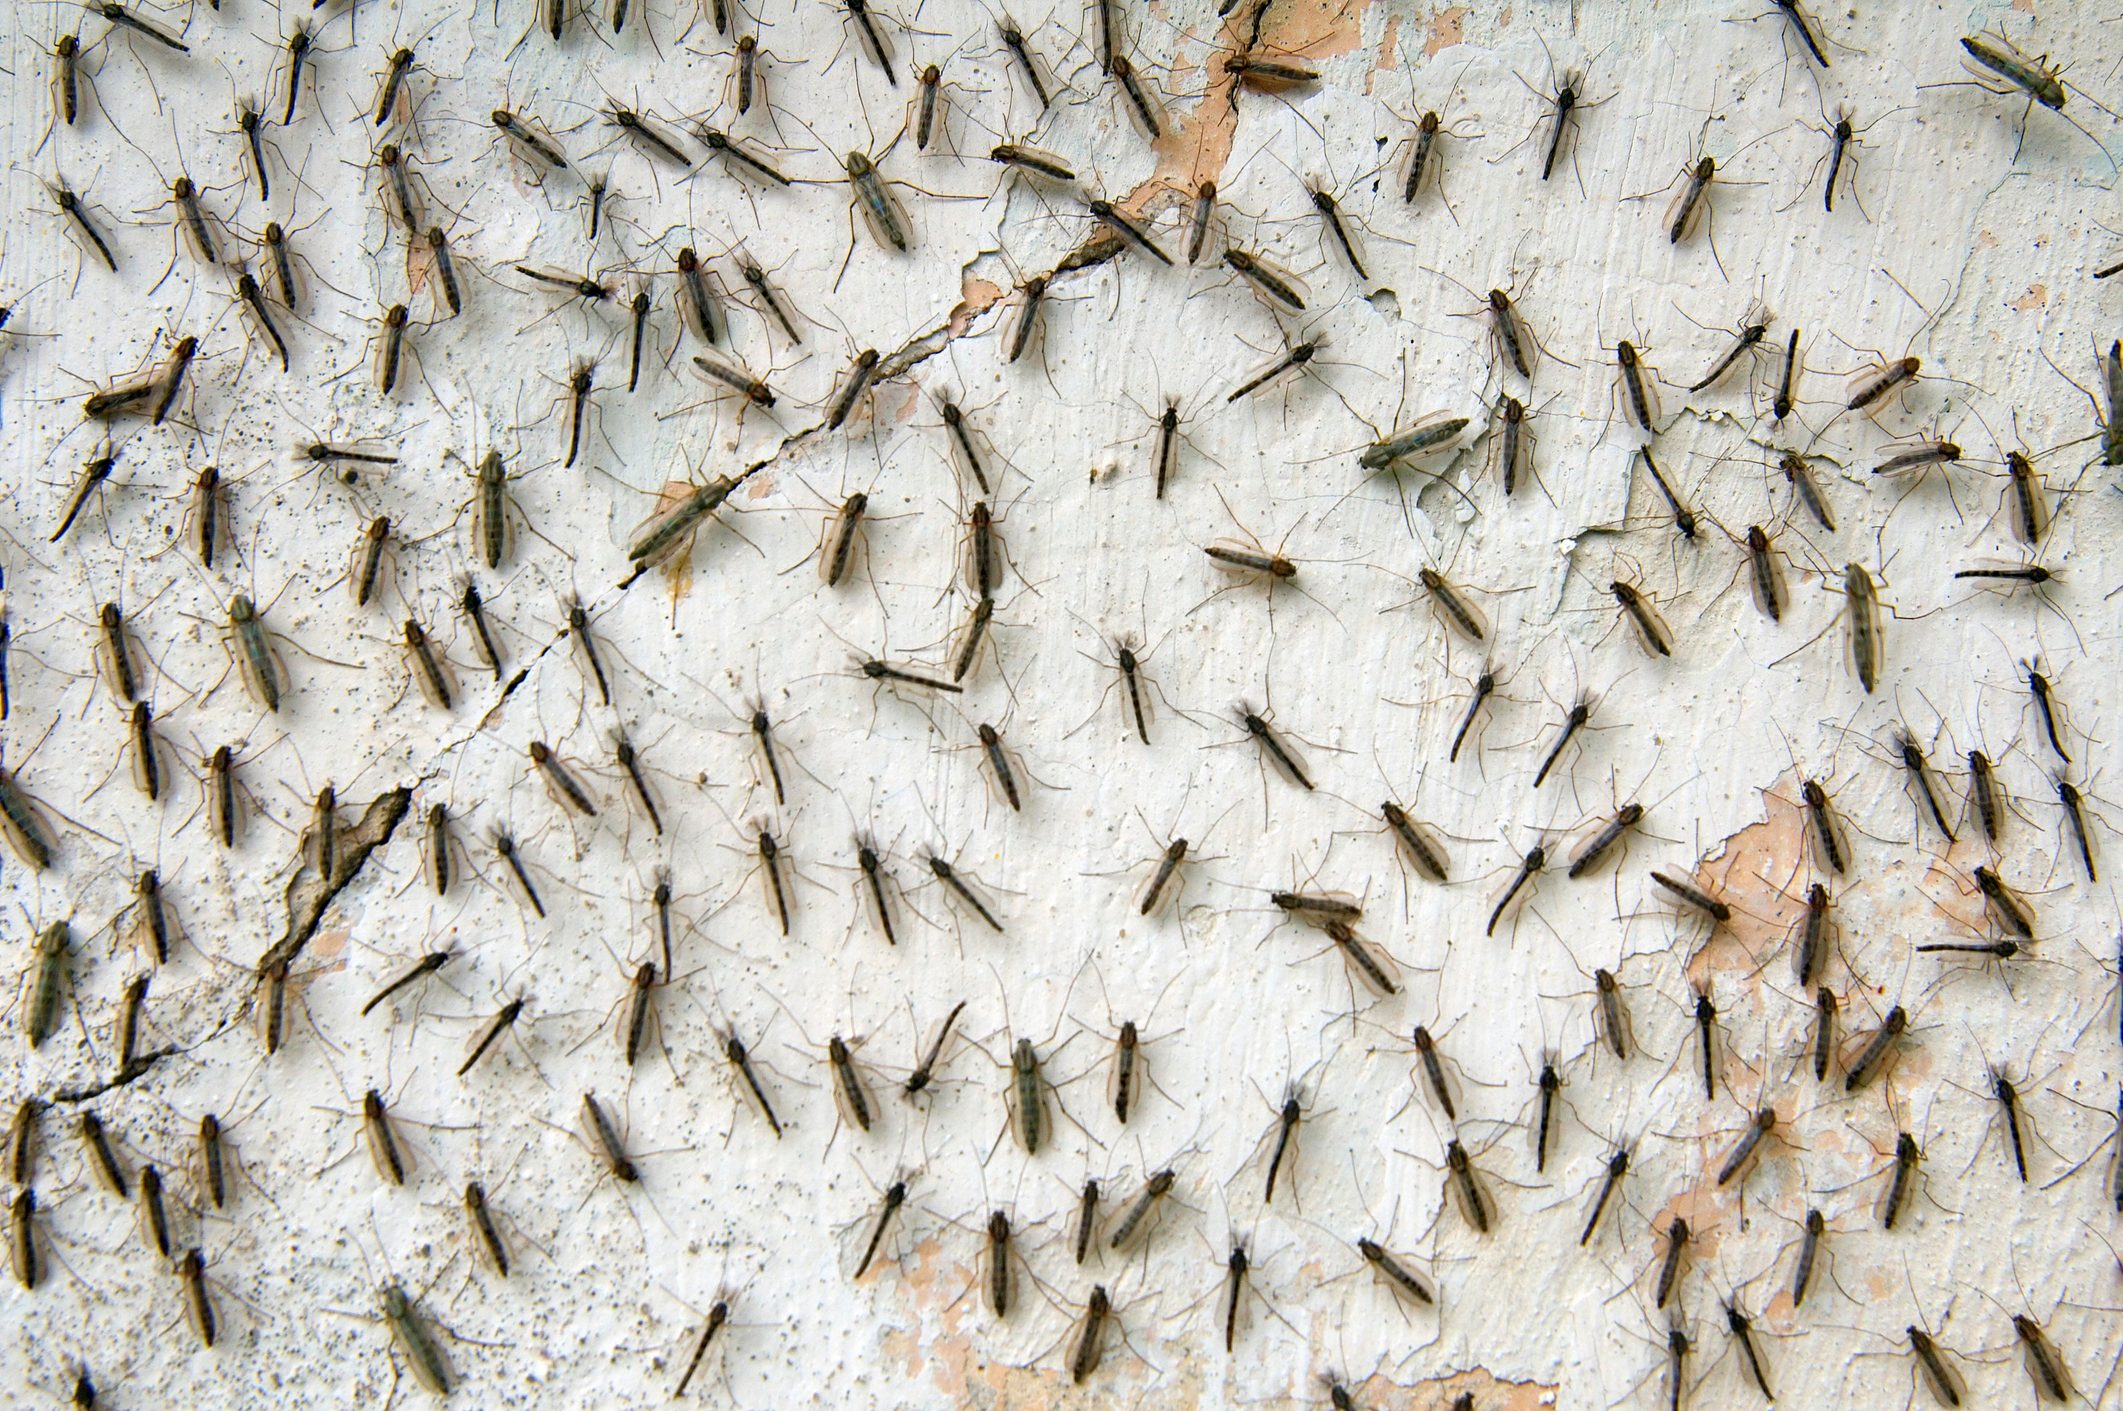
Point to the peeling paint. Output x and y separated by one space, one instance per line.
1446 29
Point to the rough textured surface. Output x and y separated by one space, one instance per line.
1993 249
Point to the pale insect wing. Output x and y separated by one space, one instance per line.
290 282
927 110
269 1010
543 137
962 457
482 1039
883 213
1315 906
1028 331
387 363
1232 556
774 887
1447 1077
199 1307
358 560
1284 277
493 536
694 307
880 903
2045 1366
1000 792
1040 161
489 1251
1340 226
1428 837
211 532
606 1141
656 527
267 337
1470 1195
1596 1193
2030 519
154 1221
1125 1077
875 40
863 1236
851 1096
1279 286
2013 67
724 377
1517 338
128 398
1512 896
1476 623
1087 1346
965 645
998 1279
37 998
1862 606
1139 694
215 232
842 546
1511 454
1652 633
144 922
1372 968
424 1356
435 845
1684 213
1165 881
1872 385
403 198
1027 1103
1986 75
118 660
1945 1382
201 1164
386 1145
1610 1020
67 82
1828 822
1130 1224
979 552
1412 182
551 774
1895 1194
1150 127
751 1096
438 687
1428 435
1765 580
223 807
2005 908
1286 761
638 1000
141 748
264 674
1204 226
1648 383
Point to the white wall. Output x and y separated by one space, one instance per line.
612 1283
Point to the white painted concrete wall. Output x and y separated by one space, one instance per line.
611 1283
